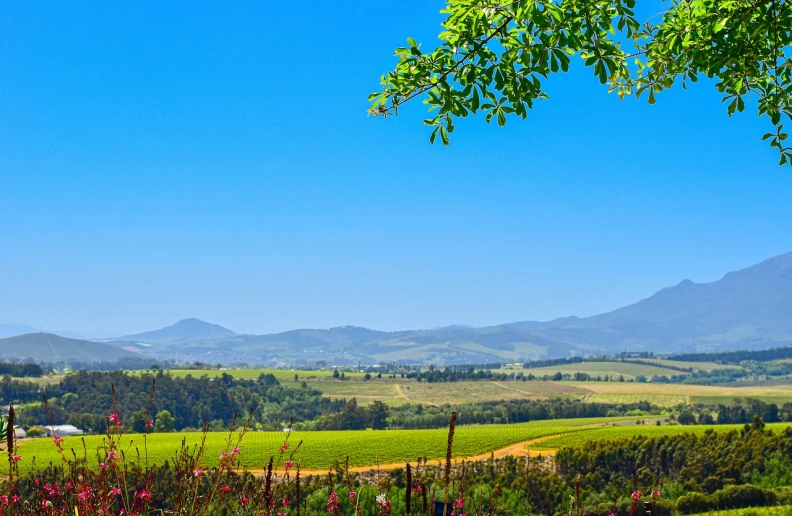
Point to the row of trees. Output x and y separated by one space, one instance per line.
84 399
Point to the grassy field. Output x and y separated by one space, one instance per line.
626 431
401 391
667 395
320 449
398 391
755 511
697 366
252 374
626 369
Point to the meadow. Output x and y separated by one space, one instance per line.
594 369
626 431
697 366
397 391
669 395
319 450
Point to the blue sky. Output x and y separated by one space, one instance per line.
163 160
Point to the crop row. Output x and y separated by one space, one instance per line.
318 451
622 432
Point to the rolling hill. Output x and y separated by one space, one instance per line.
186 330
746 309
46 347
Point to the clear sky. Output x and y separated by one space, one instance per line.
162 160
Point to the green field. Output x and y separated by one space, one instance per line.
626 431
669 395
252 374
398 391
755 511
626 369
697 366
320 449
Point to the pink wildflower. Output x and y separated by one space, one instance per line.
636 495
244 500
115 491
284 447
115 419
16 458
352 495
198 472
225 489
288 465
332 502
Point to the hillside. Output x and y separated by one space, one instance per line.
749 308
186 330
45 347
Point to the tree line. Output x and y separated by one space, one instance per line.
84 399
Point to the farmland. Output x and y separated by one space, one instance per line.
668 395
397 391
252 374
697 366
319 449
594 369
626 431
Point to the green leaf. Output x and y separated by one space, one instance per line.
474 102
444 136
433 136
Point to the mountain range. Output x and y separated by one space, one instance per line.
746 309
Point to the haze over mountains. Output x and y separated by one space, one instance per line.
747 309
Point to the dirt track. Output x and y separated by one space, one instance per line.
514 450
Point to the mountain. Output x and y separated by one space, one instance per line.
11 329
46 347
186 330
749 308
746 309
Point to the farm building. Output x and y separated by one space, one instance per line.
62 430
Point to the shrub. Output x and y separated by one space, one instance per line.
743 496
692 503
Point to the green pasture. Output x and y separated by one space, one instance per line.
625 431
751 511
626 369
697 366
252 374
318 451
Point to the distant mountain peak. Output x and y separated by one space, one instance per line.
185 330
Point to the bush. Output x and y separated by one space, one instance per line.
35 432
692 503
747 495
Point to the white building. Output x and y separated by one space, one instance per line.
62 430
